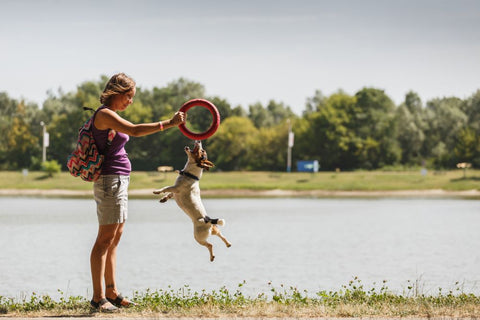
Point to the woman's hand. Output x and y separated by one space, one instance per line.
178 118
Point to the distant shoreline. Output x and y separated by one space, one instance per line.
248 193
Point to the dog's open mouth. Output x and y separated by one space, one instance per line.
200 156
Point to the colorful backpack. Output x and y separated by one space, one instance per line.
86 161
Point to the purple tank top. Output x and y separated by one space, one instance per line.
116 159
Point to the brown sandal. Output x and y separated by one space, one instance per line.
98 306
118 302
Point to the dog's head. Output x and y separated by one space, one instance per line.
199 156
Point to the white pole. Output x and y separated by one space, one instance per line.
44 147
289 147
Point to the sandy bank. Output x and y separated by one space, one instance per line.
244 193
139 316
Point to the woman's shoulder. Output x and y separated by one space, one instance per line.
106 118
101 115
104 112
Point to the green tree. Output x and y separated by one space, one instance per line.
411 125
239 111
467 147
274 114
471 108
325 136
279 112
88 93
268 151
229 147
22 145
374 124
260 117
8 108
445 119
313 103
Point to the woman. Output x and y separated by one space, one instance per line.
110 190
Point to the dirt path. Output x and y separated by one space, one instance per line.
258 193
223 318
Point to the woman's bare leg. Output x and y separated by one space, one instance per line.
111 263
105 238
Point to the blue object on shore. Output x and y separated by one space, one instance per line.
308 166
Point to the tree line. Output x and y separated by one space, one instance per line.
361 131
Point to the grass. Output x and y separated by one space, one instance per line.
352 300
331 181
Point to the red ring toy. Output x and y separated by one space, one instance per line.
215 121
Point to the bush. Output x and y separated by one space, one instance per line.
51 167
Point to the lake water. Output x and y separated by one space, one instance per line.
313 244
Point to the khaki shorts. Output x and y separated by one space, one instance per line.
111 196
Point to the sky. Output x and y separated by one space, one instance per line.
244 51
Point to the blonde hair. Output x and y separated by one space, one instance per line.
118 84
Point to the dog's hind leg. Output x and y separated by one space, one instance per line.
209 247
216 232
201 236
210 250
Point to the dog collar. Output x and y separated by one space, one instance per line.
207 219
186 174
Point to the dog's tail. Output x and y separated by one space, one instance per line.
207 219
